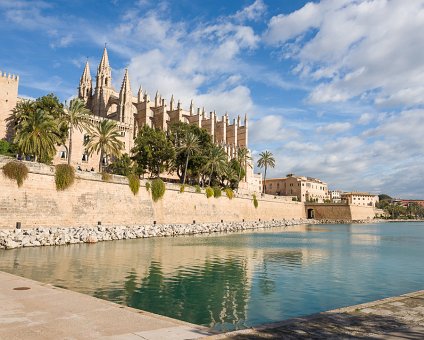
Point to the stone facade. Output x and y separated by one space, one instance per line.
304 188
360 198
8 97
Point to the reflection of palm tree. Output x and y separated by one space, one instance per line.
104 138
242 159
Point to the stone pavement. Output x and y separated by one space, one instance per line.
400 317
32 310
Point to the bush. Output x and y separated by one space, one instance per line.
294 199
17 171
230 193
64 176
134 183
106 177
255 201
217 192
148 186
182 188
197 188
158 189
209 192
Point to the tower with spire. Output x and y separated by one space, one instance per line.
85 89
125 106
103 88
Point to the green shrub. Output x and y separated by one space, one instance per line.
197 188
230 193
106 177
17 171
216 192
64 176
182 188
158 189
255 201
209 192
134 183
294 199
148 185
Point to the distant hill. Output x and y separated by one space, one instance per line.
384 197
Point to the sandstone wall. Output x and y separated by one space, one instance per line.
37 203
341 211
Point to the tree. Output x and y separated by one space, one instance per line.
217 161
242 158
104 138
153 152
266 159
36 134
197 161
189 146
75 116
122 166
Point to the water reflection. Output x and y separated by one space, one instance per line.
233 281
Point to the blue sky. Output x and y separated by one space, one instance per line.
334 88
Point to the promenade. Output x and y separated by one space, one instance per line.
399 317
32 310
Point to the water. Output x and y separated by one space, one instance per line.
232 281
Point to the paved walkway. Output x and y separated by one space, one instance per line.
393 318
32 310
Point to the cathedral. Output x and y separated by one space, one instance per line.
133 112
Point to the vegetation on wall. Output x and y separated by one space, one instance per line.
6 148
134 183
17 171
148 186
158 189
197 189
230 193
182 188
209 192
255 201
217 191
106 177
64 176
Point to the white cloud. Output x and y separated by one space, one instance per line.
253 12
333 128
365 48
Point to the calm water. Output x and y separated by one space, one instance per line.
232 281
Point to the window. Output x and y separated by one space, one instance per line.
123 133
85 157
270 186
86 138
63 155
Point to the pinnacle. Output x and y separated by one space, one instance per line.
126 86
104 62
86 74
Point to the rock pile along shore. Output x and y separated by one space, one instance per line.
54 236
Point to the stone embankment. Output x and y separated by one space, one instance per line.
16 238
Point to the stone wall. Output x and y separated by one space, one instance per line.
8 98
89 200
340 211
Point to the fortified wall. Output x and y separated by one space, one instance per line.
339 211
89 200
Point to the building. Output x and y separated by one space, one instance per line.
360 198
306 189
131 112
8 98
407 203
335 196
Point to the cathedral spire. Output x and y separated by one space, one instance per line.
86 75
126 86
104 62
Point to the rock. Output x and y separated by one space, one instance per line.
10 244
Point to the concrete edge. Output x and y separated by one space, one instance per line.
311 317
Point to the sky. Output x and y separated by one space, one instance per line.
333 88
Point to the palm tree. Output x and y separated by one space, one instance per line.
242 158
36 133
75 116
189 146
217 161
104 138
266 159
